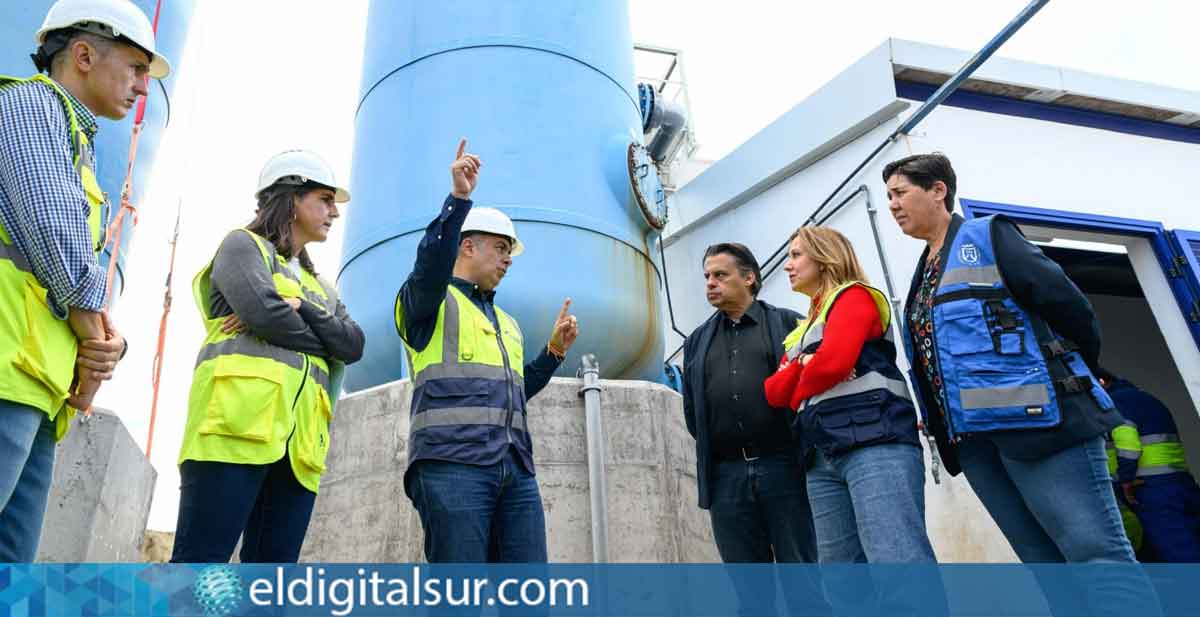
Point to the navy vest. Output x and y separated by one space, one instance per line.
872 407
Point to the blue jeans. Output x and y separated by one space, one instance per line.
479 513
868 505
1053 510
1061 509
26 469
263 504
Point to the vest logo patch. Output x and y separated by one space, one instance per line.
1033 411
969 253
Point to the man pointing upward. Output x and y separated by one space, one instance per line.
470 474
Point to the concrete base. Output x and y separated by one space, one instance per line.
363 515
100 499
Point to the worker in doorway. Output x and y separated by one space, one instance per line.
56 344
1121 445
471 473
866 482
748 468
1152 473
267 375
1002 346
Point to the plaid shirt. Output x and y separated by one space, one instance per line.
43 206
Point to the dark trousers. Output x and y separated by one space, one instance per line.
1169 509
760 514
263 504
760 511
479 513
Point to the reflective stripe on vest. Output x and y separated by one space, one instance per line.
1159 470
874 406
247 344
37 350
985 275
989 350
863 383
466 415
252 401
1162 453
469 396
1004 396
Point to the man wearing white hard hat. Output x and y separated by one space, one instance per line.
470 473
267 375
56 344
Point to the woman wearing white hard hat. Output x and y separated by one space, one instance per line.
267 375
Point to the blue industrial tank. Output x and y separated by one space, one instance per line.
20 20
544 92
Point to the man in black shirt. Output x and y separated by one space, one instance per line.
749 473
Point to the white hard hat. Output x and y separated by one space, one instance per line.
493 221
298 167
107 18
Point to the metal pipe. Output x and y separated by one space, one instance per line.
597 478
963 73
667 292
935 463
905 127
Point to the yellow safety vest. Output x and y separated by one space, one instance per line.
37 350
1122 442
469 393
251 401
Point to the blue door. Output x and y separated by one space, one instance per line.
1184 275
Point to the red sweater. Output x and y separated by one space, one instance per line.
853 320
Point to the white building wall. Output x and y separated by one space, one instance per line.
997 158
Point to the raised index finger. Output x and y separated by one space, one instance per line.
562 314
462 147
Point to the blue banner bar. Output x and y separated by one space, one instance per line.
635 590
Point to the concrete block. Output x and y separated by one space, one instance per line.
100 497
363 514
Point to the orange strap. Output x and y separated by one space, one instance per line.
162 339
113 234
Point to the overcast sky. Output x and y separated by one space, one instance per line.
263 76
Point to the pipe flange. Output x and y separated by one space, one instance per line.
647 188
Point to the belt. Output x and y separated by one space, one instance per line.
751 452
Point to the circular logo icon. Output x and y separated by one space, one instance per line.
218 590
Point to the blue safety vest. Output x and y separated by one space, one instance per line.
871 407
1002 368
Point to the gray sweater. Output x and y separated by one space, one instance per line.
242 285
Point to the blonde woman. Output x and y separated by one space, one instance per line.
853 412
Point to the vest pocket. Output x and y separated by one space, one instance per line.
311 444
847 421
246 394
458 411
964 330
47 352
